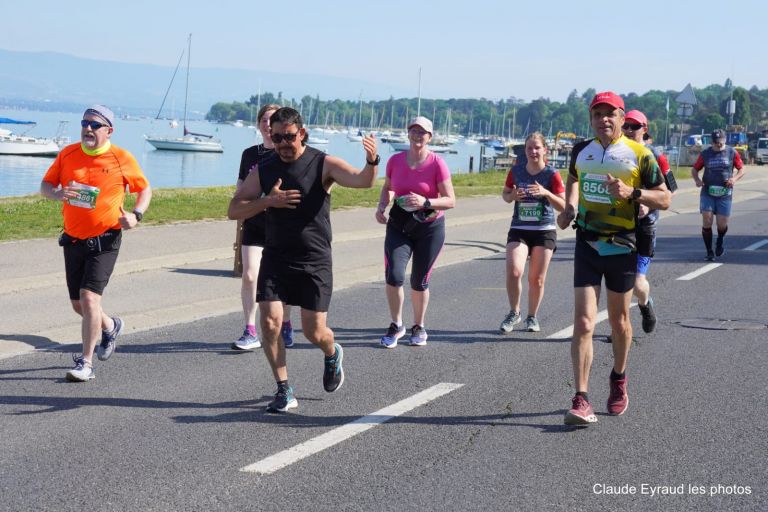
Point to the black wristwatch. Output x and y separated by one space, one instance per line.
375 160
139 215
427 204
636 193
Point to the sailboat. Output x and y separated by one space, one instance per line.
189 141
25 145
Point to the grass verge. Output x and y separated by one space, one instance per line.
26 217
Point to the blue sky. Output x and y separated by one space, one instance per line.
481 48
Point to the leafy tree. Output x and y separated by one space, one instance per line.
712 121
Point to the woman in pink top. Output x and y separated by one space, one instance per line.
421 184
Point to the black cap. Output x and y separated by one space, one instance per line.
718 135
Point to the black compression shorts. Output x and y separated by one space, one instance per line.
589 268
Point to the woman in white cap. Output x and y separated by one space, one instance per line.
421 184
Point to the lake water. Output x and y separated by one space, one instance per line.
171 169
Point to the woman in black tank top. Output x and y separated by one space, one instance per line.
253 236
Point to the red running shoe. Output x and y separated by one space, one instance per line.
581 413
618 399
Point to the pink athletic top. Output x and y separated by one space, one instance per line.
422 180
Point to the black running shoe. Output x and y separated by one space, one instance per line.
649 316
719 249
333 376
283 401
710 256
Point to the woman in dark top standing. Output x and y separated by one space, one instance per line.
253 241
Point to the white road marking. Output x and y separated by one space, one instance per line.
568 331
755 246
317 444
696 273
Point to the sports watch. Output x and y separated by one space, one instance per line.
375 160
139 215
427 204
636 193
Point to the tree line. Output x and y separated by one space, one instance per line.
512 117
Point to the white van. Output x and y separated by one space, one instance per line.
761 155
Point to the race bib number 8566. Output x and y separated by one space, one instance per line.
593 188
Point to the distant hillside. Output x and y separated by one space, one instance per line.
34 77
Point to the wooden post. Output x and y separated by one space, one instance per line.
238 270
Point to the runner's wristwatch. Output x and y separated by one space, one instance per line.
139 215
375 160
427 204
636 193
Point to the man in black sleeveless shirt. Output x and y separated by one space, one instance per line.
296 262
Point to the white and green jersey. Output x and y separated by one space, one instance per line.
625 159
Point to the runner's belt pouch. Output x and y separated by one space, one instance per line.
626 240
107 241
409 222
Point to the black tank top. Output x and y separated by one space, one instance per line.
251 157
301 235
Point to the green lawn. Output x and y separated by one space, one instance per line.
33 216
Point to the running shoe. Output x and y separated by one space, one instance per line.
286 331
649 316
333 376
581 413
710 256
247 341
394 333
719 249
532 324
418 336
283 401
513 318
82 372
109 340
618 400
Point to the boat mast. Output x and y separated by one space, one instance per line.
418 103
169 86
186 87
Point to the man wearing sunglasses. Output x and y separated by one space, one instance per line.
294 188
608 177
89 178
635 128
718 162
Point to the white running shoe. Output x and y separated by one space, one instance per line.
247 341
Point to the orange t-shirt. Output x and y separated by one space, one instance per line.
110 172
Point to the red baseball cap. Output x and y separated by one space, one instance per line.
609 98
637 116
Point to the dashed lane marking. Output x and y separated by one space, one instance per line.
317 444
696 273
755 246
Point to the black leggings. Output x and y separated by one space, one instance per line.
425 243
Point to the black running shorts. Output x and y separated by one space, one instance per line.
589 268
89 263
308 286
254 230
534 238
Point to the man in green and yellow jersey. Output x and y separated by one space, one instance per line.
609 177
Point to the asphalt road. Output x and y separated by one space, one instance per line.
175 415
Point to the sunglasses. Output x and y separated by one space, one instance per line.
277 138
95 125
628 126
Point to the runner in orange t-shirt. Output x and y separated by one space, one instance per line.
90 179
